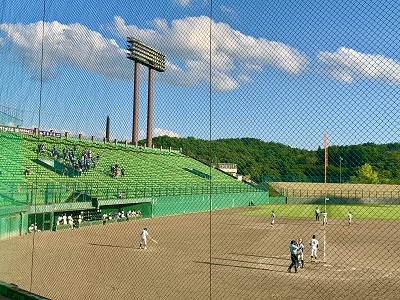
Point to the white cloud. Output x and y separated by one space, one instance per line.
162 132
348 65
1 40
186 43
71 45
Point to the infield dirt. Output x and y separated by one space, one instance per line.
218 255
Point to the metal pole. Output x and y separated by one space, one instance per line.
150 110
325 233
135 125
108 129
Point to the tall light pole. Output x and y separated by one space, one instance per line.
340 169
154 60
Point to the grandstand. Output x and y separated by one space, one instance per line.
37 179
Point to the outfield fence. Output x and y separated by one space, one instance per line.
301 192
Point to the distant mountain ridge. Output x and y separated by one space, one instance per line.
270 161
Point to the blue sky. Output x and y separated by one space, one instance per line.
282 71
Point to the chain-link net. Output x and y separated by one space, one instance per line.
199 149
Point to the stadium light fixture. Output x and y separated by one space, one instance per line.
154 60
145 55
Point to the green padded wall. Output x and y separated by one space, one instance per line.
163 206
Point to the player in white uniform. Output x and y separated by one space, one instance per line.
143 238
349 217
300 252
272 218
324 218
313 248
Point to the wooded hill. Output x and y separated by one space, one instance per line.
269 161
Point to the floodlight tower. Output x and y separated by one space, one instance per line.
154 60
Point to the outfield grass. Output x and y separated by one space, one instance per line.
337 211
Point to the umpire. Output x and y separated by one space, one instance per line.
293 256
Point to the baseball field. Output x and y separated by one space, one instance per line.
227 254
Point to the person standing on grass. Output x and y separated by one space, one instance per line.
317 214
349 217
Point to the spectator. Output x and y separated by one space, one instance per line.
104 218
60 220
112 170
54 151
31 228
71 221
79 219
71 158
65 152
40 148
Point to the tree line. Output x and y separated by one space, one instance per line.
270 161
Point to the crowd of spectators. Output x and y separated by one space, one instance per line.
33 228
63 219
81 162
75 221
115 170
121 215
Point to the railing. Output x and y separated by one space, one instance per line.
356 193
48 193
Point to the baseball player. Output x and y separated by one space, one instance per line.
272 218
143 238
324 218
349 217
300 252
313 248
293 256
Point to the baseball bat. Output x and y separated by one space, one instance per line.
154 241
